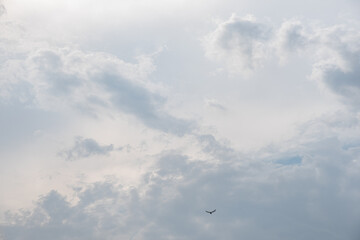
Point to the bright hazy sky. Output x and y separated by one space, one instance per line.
128 119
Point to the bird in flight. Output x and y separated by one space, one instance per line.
211 212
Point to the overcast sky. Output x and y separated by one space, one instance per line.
128 119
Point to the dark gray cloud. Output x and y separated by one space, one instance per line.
85 148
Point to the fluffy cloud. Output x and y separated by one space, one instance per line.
254 198
292 37
240 42
335 53
303 189
245 44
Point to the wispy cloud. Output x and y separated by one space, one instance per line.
84 148
213 103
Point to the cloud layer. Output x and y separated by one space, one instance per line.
176 166
316 198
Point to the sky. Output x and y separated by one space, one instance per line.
129 119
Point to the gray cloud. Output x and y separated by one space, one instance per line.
213 103
85 148
146 106
2 9
241 43
316 198
292 36
335 51
244 44
56 79
342 80
63 78
218 150
49 65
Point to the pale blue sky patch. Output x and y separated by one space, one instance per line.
295 160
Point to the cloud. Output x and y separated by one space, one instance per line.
335 53
2 9
146 106
254 198
292 37
84 148
43 75
55 217
213 103
338 64
240 42
309 189
217 149
245 45
61 78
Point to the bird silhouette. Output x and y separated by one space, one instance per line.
211 212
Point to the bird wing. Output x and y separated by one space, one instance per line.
213 211
207 211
